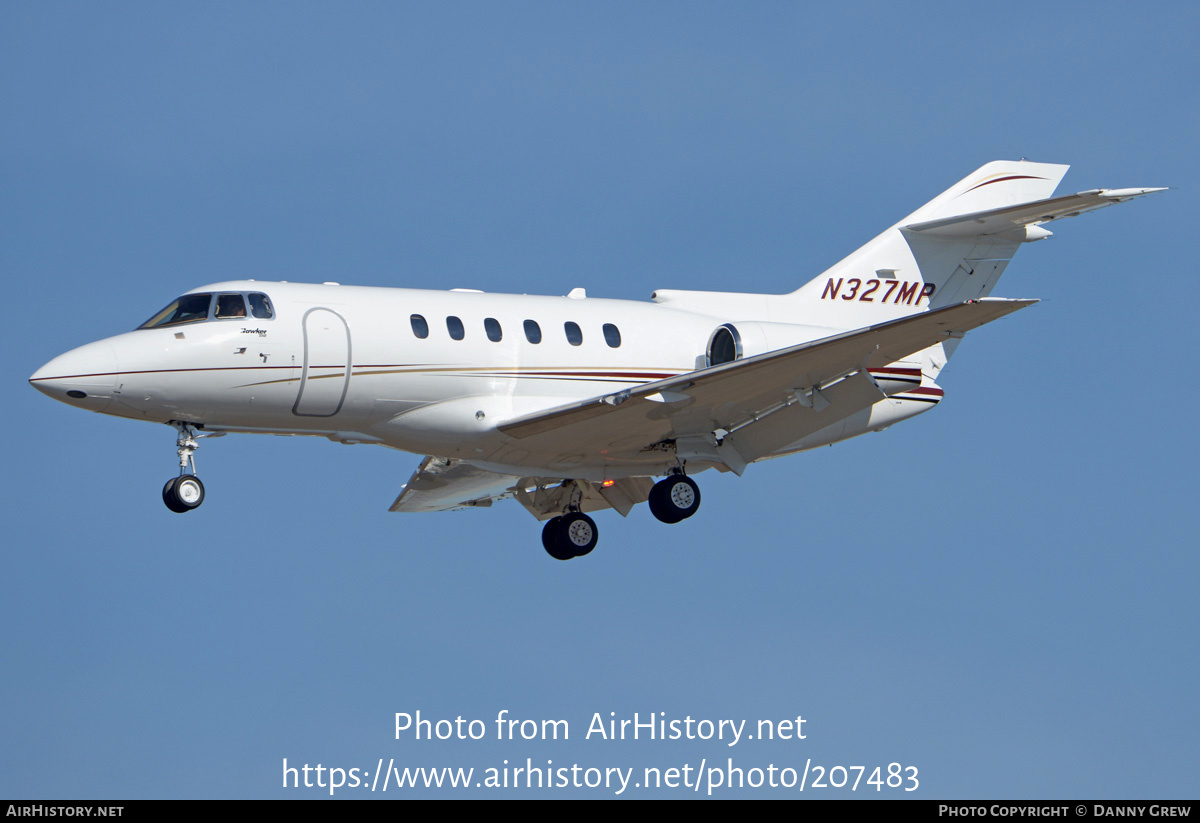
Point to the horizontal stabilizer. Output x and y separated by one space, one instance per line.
1012 218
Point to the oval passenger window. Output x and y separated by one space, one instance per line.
574 335
612 335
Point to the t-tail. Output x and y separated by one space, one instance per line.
952 249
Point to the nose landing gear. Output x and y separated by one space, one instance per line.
183 493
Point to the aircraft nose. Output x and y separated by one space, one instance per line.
83 377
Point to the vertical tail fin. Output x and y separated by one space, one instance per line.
900 272
999 183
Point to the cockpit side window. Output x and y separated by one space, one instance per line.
260 306
191 308
230 306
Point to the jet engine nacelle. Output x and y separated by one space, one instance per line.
733 341
746 338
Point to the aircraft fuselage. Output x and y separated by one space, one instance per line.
350 363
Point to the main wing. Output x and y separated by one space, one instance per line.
708 404
700 411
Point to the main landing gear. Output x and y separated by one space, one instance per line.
569 535
675 498
185 492
574 534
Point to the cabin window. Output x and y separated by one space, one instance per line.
260 306
492 326
612 335
455 327
574 335
230 306
191 308
419 326
533 332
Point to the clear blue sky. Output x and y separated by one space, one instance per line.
1000 592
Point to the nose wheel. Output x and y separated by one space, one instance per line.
183 493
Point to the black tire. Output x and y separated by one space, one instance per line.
170 500
183 493
675 498
550 540
576 533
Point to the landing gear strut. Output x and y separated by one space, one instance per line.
675 498
183 493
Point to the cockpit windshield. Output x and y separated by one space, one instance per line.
193 308
230 305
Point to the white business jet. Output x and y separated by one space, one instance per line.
574 404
